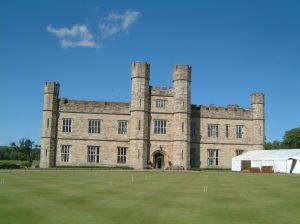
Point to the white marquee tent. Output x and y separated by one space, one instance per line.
282 160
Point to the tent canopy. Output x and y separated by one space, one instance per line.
282 160
278 154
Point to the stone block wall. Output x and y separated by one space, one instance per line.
186 142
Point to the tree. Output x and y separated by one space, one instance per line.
274 145
26 144
13 145
291 138
25 151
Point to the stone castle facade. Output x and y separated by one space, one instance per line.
159 127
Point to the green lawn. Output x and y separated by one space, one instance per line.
95 196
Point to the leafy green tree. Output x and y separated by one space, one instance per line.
13 145
26 144
291 138
25 151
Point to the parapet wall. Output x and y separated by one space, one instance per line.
229 112
161 91
80 106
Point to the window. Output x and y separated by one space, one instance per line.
46 152
94 126
259 131
139 125
122 127
227 130
48 122
161 103
122 155
239 152
93 154
213 157
240 131
182 126
193 129
160 126
65 153
67 125
213 130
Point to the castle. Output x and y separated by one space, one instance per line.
159 127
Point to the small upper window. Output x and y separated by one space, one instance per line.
161 103
160 126
94 126
240 131
213 130
67 125
122 127
227 130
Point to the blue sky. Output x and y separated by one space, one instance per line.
234 47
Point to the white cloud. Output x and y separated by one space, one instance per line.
79 35
116 23
76 36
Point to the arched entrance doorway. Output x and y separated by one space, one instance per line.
159 159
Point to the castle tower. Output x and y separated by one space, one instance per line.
49 127
182 114
258 112
139 114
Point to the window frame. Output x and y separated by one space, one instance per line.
65 153
160 126
213 130
94 126
240 131
122 127
213 157
93 154
67 125
122 155
227 130
160 103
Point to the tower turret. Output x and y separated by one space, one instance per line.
182 114
258 114
258 105
139 111
49 127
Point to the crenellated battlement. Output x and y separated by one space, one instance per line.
232 111
161 91
51 88
82 106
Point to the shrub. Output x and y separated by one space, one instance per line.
26 164
9 166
